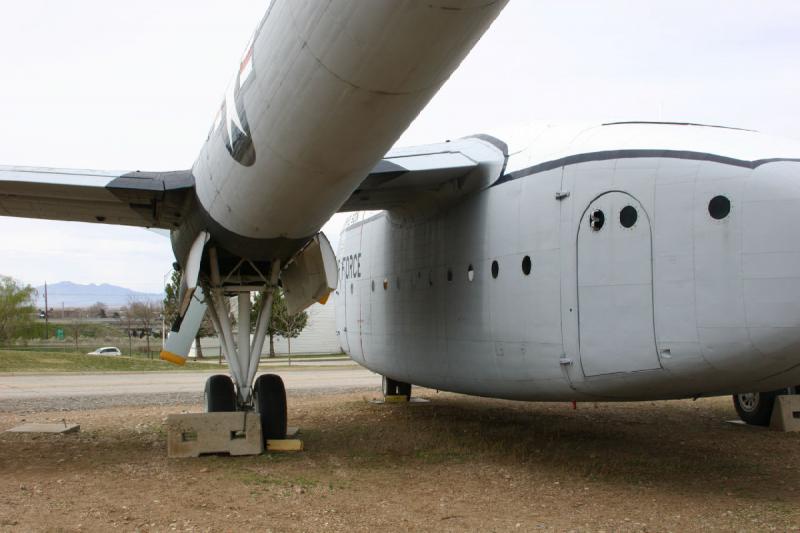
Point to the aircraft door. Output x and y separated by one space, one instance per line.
615 287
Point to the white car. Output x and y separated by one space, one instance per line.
108 350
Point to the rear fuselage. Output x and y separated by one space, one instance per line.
641 262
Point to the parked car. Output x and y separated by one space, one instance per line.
108 350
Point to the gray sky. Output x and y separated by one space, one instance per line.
135 85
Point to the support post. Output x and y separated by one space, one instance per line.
264 316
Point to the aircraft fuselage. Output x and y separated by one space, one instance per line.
644 261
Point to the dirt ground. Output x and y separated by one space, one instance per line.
455 464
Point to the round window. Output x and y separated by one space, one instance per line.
495 269
526 265
719 207
470 273
596 220
628 216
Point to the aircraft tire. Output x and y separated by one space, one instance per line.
404 389
270 402
755 408
388 386
220 396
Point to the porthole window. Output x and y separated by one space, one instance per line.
526 265
385 284
470 273
628 216
596 220
719 207
495 269
449 274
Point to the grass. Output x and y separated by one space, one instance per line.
27 361
59 361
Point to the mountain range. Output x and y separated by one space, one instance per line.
71 294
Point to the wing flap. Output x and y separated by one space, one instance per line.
440 172
156 200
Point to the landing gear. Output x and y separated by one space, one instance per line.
391 387
755 408
220 396
269 395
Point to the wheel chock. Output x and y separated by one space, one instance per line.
284 445
234 433
786 413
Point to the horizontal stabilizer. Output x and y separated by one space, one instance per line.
145 199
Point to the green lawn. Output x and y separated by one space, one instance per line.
29 361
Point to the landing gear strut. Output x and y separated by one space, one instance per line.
243 352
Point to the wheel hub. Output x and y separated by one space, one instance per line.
748 401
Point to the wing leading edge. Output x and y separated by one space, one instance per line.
145 199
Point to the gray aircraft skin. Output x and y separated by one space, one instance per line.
637 261
606 272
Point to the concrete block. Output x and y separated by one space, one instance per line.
191 435
786 413
58 427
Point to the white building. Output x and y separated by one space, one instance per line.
318 337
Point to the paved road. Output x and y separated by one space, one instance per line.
33 386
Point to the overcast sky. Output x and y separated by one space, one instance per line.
135 85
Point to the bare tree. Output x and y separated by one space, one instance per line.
144 314
98 310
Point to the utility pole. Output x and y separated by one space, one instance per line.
46 314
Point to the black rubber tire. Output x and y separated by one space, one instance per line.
388 386
755 408
270 402
391 387
220 396
404 389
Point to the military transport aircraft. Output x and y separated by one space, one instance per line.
637 261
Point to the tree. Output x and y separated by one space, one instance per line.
16 307
171 304
144 314
282 323
98 310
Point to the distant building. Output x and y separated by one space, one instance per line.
319 336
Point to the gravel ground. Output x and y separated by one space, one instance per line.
454 464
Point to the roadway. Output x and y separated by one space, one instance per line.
76 385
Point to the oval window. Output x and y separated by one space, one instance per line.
596 220
526 265
628 216
373 285
385 284
470 273
495 269
719 207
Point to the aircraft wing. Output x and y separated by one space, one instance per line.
146 199
435 171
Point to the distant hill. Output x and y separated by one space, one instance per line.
75 295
